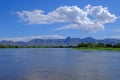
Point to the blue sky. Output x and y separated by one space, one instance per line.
12 25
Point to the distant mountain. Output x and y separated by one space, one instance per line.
60 42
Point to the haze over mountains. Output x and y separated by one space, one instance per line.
59 42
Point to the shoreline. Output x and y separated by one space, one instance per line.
97 48
75 48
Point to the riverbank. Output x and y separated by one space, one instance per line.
96 48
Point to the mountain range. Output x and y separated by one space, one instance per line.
60 42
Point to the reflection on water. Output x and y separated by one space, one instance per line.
58 64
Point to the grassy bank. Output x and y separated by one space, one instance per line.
96 48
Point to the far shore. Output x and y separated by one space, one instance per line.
96 48
75 48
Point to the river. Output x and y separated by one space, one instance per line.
58 64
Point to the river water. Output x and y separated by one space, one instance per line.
58 64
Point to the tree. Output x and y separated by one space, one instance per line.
116 45
90 44
108 45
82 45
99 45
1 46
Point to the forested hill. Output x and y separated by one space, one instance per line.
60 42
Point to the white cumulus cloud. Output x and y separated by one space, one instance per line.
90 18
28 38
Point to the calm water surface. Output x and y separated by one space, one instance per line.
58 64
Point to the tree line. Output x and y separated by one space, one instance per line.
15 46
89 45
99 44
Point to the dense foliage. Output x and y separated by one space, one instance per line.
92 45
86 45
9 46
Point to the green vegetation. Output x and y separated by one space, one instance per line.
81 46
97 46
10 46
